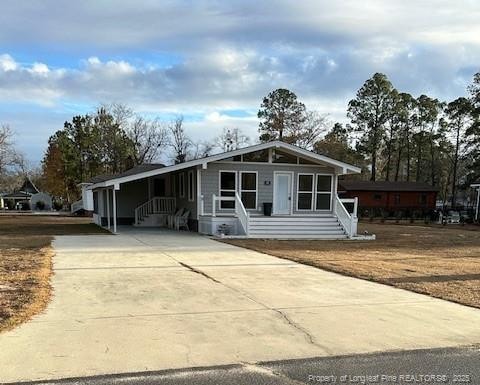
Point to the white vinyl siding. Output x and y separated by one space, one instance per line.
265 179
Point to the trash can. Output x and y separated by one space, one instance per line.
267 209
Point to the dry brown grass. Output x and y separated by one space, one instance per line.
443 262
26 262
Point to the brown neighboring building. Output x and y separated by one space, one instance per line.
390 196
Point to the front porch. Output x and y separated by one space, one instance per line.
336 224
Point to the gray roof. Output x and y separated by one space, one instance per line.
134 174
363 185
131 171
18 195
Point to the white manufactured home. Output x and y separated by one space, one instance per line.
269 190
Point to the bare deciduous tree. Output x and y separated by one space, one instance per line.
179 141
7 152
312 128
13 164
232 139
148 137
122 114
202 149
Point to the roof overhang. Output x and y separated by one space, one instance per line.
16 196
341 168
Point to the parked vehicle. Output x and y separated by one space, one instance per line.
453 217
466 216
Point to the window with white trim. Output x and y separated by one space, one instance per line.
248 189
323 192
305 192
191 186
228 186
181 184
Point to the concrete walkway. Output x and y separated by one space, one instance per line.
151 300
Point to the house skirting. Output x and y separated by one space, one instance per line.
215 225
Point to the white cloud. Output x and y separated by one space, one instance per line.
40 69
7 63
228 55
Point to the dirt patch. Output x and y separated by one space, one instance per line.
26 262
443 262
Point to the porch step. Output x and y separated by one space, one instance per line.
326 221
300 236
326 226
297 218
289 227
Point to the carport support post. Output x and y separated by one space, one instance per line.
108 208
477 209
114 192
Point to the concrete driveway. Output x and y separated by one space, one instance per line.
150 300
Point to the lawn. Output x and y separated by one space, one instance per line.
26 262
443 262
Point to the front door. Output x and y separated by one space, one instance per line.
282 193
159 187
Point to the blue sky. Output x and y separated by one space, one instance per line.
213 61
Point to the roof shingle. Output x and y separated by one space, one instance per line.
130 171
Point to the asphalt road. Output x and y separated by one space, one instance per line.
434 366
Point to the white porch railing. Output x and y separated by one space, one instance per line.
78 205
348 221
240 212
156 205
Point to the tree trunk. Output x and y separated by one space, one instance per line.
399 160
374 166
455 166
389 154
408 155
374 154
432 160
419 162
389 158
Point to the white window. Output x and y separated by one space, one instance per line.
323 194
191 186
181 184
227 188
248 189
305 192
